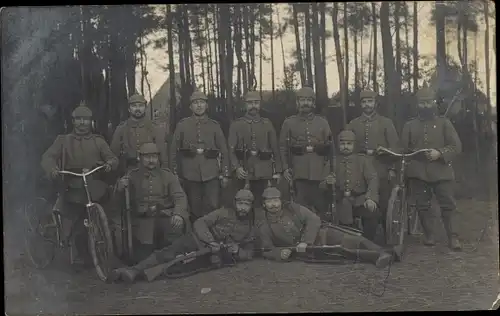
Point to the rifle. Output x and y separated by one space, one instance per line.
290 164
128 229
333 209
245 166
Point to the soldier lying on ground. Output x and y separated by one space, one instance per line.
158 203
283 228
357 185
226 224
73 152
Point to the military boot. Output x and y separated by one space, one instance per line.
379 258
427 226
449 226
129 274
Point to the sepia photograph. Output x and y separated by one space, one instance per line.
250 158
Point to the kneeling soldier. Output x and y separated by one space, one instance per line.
233 226
357 186
159 204
292 226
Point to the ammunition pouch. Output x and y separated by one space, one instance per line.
187 152
211 153
322 149
297 150
265 155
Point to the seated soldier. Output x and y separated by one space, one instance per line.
227 225
356 185
158 203
283 228
74 152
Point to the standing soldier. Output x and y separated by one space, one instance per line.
434 174
373 130
74 152
204 158
135 131
253 144
305 144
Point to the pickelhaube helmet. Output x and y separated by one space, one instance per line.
367 94
426 94
149 148
198 95
244 194
271 192
252 96
82 111
136 98
306 92
347 135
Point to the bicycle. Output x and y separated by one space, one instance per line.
398 218
45 231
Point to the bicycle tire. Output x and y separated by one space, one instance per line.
100 241
40 245
396 218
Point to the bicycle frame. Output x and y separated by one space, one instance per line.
84 175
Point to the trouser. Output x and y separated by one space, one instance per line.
257 187
203 197
310 196
369 220
385 188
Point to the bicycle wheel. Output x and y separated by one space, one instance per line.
40 238
396 218
100 241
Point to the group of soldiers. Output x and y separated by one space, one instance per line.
175 185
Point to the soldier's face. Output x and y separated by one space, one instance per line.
137 110
253 107
346 147
368 105
199 107
272 205
426 107
82 124
150 161
243 207
305 105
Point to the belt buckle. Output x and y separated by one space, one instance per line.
199 151
309 149
253 152
369 152
347 193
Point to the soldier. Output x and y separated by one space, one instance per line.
292 226
372 131
233 226
304 145
135 131
434 174
204 158
357 185
73 152
253 138
159 205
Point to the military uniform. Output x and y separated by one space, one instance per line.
198 142
436 176
253 138
131 134
297 224
371 132
221 225
307 139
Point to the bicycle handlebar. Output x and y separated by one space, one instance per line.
404 155
83 174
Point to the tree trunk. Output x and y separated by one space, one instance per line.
346 52
322 10
247 48
370 48
407 52
222 43
202 61
356 69
171 69
307 21
389 76
316 46
440 40
228 71
238 42
340 64
210 63
251 74
261 39
141 52
415 46
459 43
487 61
375 47
300 60
282 46
271 24
397 25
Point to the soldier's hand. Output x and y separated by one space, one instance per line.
123 183
285 253
224 182
330 179
107 167
288 174
233 248
277 177
241 173
177 221
301 247
370 205
433 154
391 175
54 172
214 246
